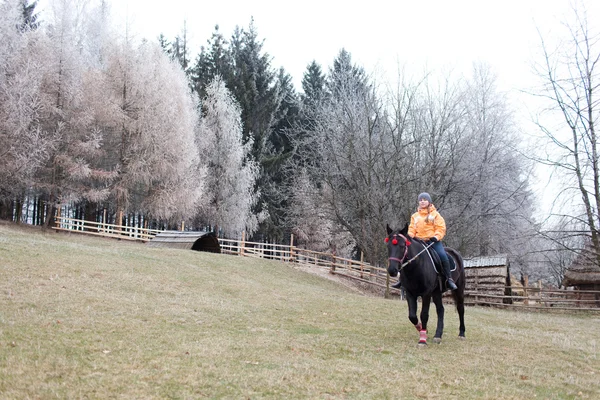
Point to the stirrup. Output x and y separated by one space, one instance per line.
451 285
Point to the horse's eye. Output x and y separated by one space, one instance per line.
394 242
387 240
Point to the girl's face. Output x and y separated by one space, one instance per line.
423 203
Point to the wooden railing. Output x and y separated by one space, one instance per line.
102 229
354 269
534 297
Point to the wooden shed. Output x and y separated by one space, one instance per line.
199 241
584 274
488 275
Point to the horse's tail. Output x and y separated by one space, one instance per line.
458 294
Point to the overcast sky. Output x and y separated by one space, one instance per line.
380 34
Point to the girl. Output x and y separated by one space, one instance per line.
428 225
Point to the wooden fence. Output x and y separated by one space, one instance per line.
537 297
528 297
102 229
353 269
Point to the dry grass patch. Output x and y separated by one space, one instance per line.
83 317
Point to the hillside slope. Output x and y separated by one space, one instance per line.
84 317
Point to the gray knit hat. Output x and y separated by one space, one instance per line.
425 196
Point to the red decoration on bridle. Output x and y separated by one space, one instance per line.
395 242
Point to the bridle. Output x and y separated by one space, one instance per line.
395 242
407 243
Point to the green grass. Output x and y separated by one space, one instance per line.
85 317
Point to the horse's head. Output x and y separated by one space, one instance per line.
397 244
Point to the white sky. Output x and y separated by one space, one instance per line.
380 34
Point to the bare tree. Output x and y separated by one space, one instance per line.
569 76
451 137
492 203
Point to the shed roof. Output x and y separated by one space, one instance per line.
584 270
486 261
188 240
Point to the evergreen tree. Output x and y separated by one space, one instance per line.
213 60
164 44
346 78
313 85
274 183
254 85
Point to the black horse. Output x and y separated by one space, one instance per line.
420 278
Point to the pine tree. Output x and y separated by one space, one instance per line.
274 183
214 60
313 85
254 86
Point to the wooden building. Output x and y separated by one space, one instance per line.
199 241
488 275
584 274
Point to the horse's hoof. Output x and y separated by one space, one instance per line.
462 338
422 344
437 340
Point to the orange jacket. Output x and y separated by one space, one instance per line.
426 223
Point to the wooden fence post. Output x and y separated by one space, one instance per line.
57 220
292 253
540 286
332 269
241 249
525 293
362 260
182 226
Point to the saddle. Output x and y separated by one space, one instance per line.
437 264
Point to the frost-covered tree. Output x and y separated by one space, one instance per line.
313 227
491 204
64 120
152 138
346 148
23 145
231 173
369 159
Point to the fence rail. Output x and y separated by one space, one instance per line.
102 229
534 297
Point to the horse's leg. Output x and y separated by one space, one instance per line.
439 308
459 299
412 310
426 302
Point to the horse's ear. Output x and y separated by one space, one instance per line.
404 230
389 230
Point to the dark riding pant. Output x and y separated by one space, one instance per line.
439 248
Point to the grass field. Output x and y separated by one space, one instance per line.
85 317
